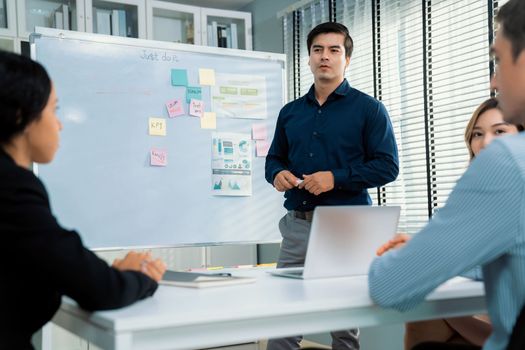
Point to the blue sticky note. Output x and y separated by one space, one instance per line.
179 77
193 92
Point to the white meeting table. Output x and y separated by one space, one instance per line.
189 318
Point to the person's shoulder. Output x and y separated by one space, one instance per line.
511 145
14 179
297 102
365 99
505 155
290 106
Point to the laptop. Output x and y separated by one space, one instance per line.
343 241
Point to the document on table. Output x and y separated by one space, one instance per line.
202 280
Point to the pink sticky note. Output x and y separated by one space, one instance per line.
158 157
259 132
174 108
196 108
262 147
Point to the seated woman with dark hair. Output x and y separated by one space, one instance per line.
41 260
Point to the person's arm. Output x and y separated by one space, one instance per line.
474 274
382 164
479 222
72 269
277 158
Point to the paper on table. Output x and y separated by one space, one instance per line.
206 76
209 120
202 280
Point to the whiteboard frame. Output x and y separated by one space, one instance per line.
153 44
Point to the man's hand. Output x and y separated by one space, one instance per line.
319 182
284 181
398 241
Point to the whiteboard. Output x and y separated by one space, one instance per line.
101 182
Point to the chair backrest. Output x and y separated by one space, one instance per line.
517 338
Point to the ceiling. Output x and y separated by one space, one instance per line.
218 4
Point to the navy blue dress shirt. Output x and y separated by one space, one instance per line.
350 135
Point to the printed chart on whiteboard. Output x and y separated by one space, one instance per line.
231 164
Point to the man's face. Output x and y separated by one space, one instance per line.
509 79
327 57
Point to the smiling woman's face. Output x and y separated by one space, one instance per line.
489 125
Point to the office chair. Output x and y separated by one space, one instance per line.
517 338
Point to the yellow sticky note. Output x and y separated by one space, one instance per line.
206 76
208 120
157 126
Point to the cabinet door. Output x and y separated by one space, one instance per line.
126 18
8 17
61 14
8 44
173 22
222 28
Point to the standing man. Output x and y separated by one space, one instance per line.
483 221
329 147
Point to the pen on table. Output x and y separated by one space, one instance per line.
221 274
215 268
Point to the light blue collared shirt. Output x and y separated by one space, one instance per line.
482 223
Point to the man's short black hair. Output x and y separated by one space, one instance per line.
511 17
24 91
331 27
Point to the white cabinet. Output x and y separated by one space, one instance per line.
151 19
198 25
222 28
8 17
62 14
8 44
116 17
173 22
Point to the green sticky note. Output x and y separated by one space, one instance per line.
179 77
193 92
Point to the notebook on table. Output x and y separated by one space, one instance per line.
343 241
202 280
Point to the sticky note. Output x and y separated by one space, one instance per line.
209 120
206 76
259 132
158 157
193 92
157 126
261 148
175 108
196 108
179 77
